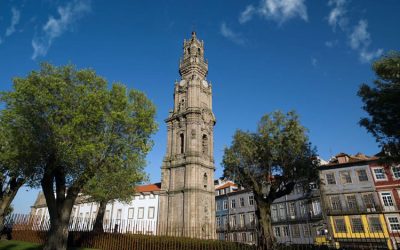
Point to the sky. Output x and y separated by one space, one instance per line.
268 55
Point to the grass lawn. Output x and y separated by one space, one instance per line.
21 245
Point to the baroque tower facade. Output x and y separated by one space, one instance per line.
187 200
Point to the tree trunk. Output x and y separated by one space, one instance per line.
98 224
265 236
58 235
7 198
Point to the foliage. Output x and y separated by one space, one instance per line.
76 128
277 154
270 162
383 106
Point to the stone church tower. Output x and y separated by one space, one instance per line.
187 201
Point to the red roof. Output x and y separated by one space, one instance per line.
228 184
149 188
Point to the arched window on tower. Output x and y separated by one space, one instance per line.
205 180
204 145
188 51
199 51
182 143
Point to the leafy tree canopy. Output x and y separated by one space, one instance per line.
382 103
76 129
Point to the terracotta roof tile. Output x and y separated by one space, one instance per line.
149 188
228 184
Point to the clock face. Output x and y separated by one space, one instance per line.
205 84
182 82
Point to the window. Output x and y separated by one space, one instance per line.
205 180
379 174
335 203
222 191
219 222
182 144
351 202
244 237
345 177
374 224
282 212
292 209
387 199
295 231
277 231
241 220
303 208
130 213
224 220
140 213
251 218
274 213
313 185
356 225
316 206
251 237
233 203
219 206
107 216
150 213
394 223
119 214
369 201
232 220
306 230
241 201
286 231
225 204
205 145
340 226
251 200
330 178
396 171
362 175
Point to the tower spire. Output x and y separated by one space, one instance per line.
192 61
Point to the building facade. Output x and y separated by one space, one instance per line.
187 201
351 203
140 215
235 214
297 218
386 178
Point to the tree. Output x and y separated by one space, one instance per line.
14 161
383 106
78 128
269 162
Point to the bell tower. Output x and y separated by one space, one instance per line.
187 201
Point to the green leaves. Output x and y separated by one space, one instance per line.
278 151
382 104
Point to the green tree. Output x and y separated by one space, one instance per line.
269 162
117 177
78 128
382 103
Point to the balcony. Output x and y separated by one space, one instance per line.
346 210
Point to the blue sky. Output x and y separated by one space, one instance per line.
310 56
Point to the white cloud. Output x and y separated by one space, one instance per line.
55 27
279 11
314 61
337 16
14 21
331 44
231 35
367 56
360 39
247 14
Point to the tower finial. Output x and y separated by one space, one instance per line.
193 34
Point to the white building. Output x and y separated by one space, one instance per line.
137 216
